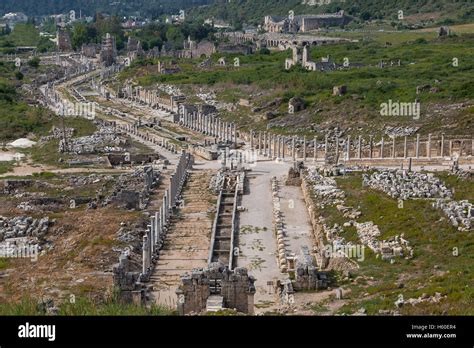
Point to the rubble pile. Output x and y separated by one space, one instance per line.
211 99
368 234
217 181
405 185
423 298
132 190
169 89
462 174
26 206
23 226
400 131
58 133
333 233
16 187
349 212
326 193
85 180
325 189
104 140
460 213
279 229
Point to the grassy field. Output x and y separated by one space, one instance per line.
80 307
47 153
425 60
434 268
6 167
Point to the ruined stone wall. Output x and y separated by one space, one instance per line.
317 228
125 280
235 286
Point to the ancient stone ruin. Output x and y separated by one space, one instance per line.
234 289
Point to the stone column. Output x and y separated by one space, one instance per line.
442 146
259 142
162 216
393 147
283 146
251 139
145 254
337 150
371 146
157 229
275 147
405 147
417 149
270 145
264 143
278 147
293 142
326 144
152 234
359 147
382 147
428 146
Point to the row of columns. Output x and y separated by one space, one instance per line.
277 146
149 97
159 222
208 125
163 142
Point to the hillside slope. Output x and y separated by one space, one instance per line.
90 7
255 10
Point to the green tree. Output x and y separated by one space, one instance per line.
175 37
34 62
79 35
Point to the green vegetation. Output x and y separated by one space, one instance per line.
463 188
434 267
17 119
82 306
6 167
90 8
423 62
47 153
4 263
251 11
85 33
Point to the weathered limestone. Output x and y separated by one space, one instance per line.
403 185
307 276
417 148
236 289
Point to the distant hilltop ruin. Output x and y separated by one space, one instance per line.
303 23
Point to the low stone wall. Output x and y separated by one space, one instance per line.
318 232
